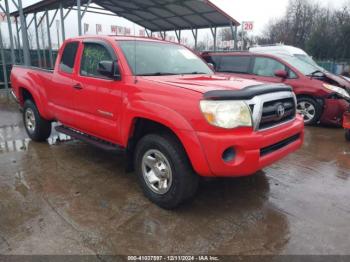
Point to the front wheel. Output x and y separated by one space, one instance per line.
38 128
309 109
347 134
164 171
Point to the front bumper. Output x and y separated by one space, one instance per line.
333 111
253 150
346 120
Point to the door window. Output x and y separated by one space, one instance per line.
68 57
92 55
235 64
264 66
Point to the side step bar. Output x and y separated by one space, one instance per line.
89 139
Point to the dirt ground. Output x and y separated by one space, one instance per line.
67 197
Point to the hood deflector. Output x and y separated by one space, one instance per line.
246 93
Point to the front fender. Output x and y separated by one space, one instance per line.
175 122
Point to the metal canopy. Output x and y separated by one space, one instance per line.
155 15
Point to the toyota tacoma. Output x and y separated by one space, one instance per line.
164 107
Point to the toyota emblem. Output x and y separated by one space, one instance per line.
280 111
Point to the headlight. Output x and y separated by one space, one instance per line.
226 114
340 91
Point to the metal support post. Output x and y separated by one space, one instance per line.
37 40
62 23
86 8
3 60
43 40
178 35
195 36
236 37
25 42
49 39
79 17
18 43
233 34
242 38
13 56
213 32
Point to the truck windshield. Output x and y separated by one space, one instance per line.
154 58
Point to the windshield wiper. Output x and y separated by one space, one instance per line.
316 72
194 73
158 74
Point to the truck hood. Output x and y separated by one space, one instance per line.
204 83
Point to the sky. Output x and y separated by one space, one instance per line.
258 11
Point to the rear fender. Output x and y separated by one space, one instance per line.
38 94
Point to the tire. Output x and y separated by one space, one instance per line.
347 134
309 109
38 128
163 152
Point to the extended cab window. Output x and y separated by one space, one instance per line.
68 57
235 64
93 54
264 66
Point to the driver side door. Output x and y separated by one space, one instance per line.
97 99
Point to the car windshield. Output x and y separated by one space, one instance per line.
310 61
304 67
155 58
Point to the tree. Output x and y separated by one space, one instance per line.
322 32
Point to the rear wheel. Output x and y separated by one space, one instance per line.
38 128
164 171
309 109
347 134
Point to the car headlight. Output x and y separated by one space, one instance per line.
340 91
226 114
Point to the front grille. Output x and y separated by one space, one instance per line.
269 149
272 113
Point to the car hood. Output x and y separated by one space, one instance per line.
341 81
204 83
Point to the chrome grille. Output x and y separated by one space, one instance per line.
271 115
264 109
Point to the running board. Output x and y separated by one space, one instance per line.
89 139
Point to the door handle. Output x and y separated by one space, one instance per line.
77 86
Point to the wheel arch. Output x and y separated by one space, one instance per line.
188 140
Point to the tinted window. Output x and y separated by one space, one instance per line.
264 66
235 64
92 55
68 57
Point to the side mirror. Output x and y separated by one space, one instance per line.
211 66
109 69
281 73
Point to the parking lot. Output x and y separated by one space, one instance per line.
67 197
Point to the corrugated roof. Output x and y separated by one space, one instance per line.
155 15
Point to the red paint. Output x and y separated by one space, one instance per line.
346 120
169 100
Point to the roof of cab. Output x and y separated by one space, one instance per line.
121 38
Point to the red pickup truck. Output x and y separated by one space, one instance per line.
160 103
